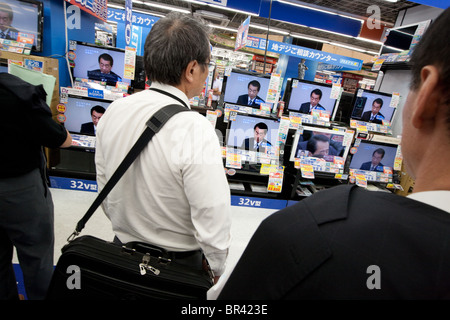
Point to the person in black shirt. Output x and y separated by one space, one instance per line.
26 207
104 73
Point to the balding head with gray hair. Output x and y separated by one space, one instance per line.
172 43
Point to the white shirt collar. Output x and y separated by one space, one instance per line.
437 198
173 90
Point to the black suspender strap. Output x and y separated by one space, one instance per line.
169 95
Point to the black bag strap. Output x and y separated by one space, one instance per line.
153 126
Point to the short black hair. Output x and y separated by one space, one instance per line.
261 125
255 84
379 151
106 57
173 42
98 109
318 92
378 101
312 142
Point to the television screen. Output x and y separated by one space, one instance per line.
306 96
374 156
372 106
322 143
402 38
252 133
22 20
245 88
99 63
82 114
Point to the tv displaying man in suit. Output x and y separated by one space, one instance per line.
251 99
374 115
313 104
375 164
91 127
6 18
104 72
258 141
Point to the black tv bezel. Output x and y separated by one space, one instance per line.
246 115
86 98
132 82
250 73
379 141
288 92
309 127
40 25
355 97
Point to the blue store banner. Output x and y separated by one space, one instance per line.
307 53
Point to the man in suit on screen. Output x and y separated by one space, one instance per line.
251 99
313 104
258 141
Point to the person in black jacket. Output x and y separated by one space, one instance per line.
251 99
374 115
26 207
350 243
91 127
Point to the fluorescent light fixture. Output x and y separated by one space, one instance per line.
223 28
369 40
115 6
353 48
328 31
161 6
270 29
394 48
320 10
149 12
223 7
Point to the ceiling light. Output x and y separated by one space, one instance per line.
347 47
369 40
270 29
308 38
223 28
223 8
160 6
337 33
115 6
320 10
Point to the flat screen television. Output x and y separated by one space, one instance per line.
252 133
305 96
326 149
239 85
403 38
25 19
375 158
98 63
372 106
78 113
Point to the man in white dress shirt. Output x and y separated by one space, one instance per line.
175 195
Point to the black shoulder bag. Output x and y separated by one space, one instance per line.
91 268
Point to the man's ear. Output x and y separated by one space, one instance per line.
427 98
189 71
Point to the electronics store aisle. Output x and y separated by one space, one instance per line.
71 205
